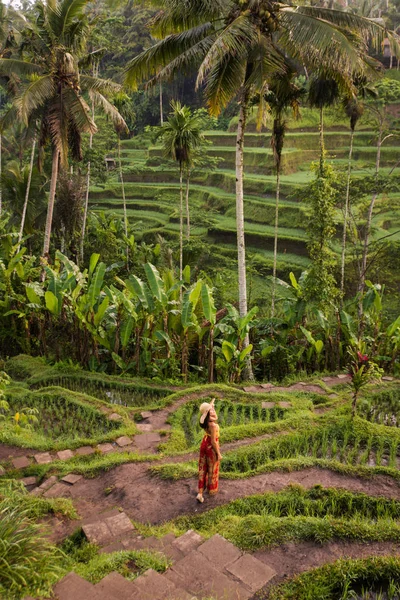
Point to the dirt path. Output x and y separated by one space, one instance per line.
151 500
13 451
291 559
159 417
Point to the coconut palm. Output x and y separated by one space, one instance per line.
52 88
354 109
181 135
236 44
324 91
283 94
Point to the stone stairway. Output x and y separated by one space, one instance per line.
145 441
212 568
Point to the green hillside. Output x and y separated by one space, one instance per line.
152 192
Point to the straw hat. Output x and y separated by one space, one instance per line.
205 409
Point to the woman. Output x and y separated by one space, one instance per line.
210 454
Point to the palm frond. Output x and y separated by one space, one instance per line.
34 95
190 59
236 39
21 68
95 84
373 30
68 12
76 36
77 111
161 54
316 42
8 119
109 110
182 15
265 60
223 82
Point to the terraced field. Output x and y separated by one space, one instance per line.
152 191
309 499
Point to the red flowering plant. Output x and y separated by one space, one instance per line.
362 370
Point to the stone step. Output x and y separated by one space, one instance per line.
73 587
139 543
196 574
153 586
214 568
102 515
116 586
108 529
230 573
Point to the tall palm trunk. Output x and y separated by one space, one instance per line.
363 268
321 141
50 207
28 187
187 205
1 185
85 210
278 135
346 213
277 198
248 374
161 105
121 176
181 222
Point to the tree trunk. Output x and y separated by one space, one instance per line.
211 356
28 187
187 206
123 198
363 268
247 372
50 207
354 405
85 210
278 185
1 185
185 357
321 141
346 215
161 105
181 223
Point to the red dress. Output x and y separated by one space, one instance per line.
208 466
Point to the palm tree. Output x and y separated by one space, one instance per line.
124 105
181 135
354 109
282 94
52 86
324 91
235 45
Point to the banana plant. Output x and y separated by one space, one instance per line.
16 270
231 361
315 346
231 354
293 301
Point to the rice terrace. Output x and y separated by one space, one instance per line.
199 300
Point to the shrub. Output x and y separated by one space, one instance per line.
28 564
